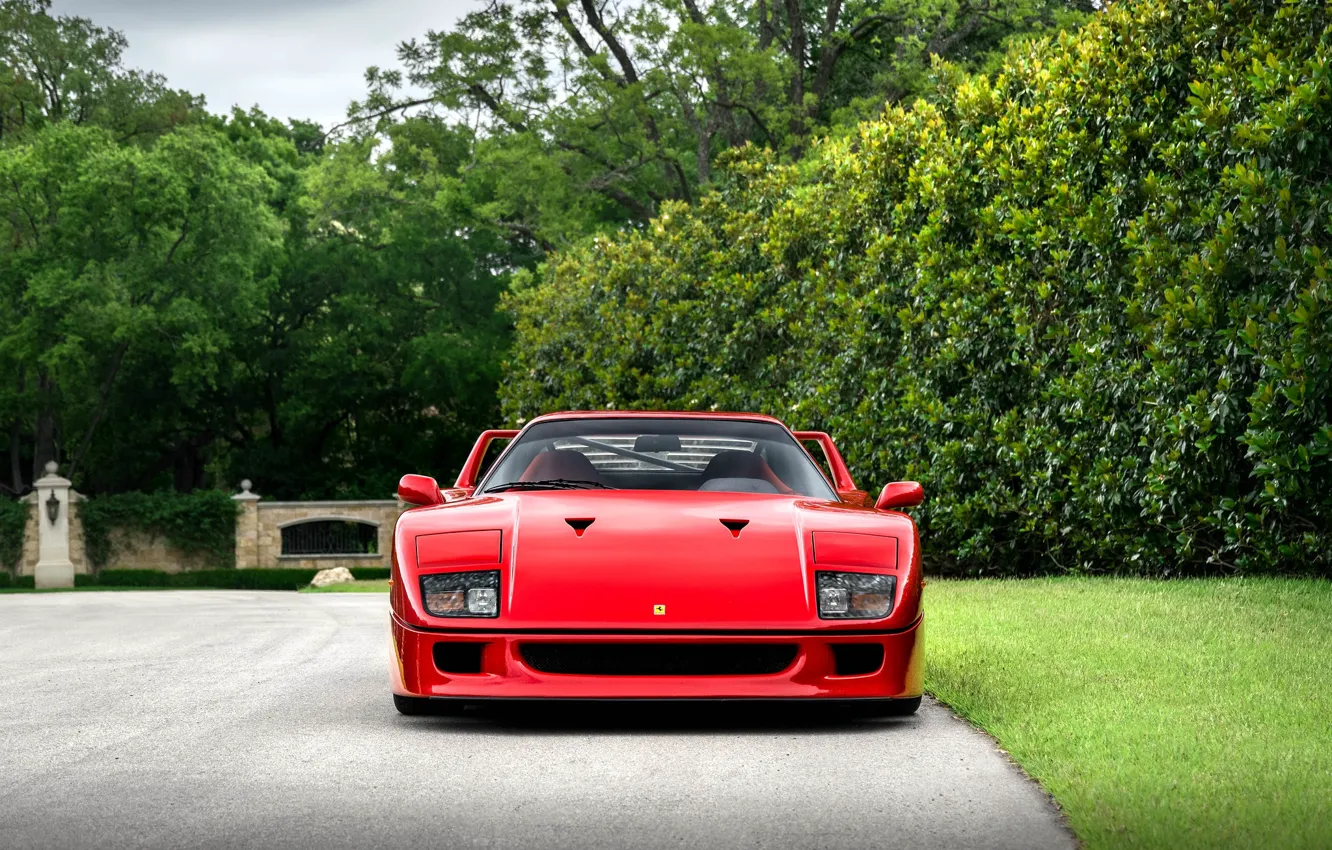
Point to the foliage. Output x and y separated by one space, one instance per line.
202 523
13 522
275 579
260 579
68 69
593 114
114 254
378 352
188 300
1085 302
8 581
1157 714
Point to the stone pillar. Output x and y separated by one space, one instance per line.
247 528
54 567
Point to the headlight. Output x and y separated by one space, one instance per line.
474 594
855 596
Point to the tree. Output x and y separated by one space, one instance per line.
66 69
380 347
597 113
108 251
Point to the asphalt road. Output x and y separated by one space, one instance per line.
236 719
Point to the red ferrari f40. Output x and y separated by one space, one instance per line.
612 555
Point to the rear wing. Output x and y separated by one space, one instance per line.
471 469
842 483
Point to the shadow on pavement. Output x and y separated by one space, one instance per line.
665 718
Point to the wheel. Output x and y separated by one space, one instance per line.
425 707
890 708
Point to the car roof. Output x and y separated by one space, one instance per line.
656 414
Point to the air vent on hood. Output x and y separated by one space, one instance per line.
735 525
580 525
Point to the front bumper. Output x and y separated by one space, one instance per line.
505 673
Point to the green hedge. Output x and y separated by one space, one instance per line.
261 579
7 581
1085 302
13 520
275 579
200 523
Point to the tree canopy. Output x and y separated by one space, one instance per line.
189 299
591 115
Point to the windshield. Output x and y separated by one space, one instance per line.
721 455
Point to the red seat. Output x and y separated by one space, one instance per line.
736 464
561 463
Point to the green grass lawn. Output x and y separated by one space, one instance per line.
1158 714
376 586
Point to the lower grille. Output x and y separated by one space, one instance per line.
659 659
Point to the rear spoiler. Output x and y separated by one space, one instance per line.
841 475
467 478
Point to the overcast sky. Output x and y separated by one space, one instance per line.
294 58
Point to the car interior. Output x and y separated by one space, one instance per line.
741 457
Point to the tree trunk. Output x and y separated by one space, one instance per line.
43 450
796 21
188 468
16 439
16 457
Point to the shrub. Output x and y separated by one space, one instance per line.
8 581
227 579
1086 302
200 523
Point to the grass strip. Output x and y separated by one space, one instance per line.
377 586
1157 713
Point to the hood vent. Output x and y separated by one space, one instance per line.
735 525
580 525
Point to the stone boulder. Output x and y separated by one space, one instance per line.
337 575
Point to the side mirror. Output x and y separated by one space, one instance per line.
420 490
900 494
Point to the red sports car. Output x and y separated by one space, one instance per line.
612 555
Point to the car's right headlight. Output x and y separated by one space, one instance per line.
471 594
855 596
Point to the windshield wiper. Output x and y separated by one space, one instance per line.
550 484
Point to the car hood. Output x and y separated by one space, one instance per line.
594 560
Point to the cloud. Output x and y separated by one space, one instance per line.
293 58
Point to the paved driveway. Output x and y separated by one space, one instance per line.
238 719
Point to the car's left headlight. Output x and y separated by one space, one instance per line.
471 594
855 596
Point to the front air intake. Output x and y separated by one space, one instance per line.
856 659
458 657
659 659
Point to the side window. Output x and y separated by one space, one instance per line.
493 451
820 459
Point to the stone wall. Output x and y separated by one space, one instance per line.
259 531
259 527
132 549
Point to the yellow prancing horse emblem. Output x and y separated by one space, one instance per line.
658 609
